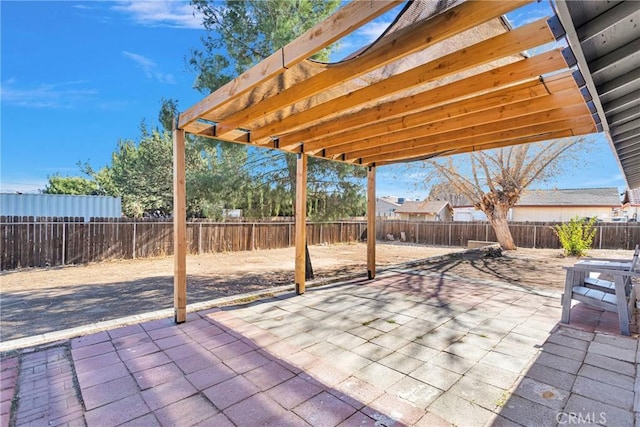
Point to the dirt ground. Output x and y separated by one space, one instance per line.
35 301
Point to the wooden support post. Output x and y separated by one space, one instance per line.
371 222
179 228
301 222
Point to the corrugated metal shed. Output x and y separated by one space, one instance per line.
59 205
605 38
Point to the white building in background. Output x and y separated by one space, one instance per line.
60 205
468 213
386 206
426 210
631 205
554 206
564 204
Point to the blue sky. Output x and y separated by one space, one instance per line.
77 76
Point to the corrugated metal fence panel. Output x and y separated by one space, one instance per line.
60 205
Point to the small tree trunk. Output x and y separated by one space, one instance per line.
501 227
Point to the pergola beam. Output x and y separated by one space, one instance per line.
481 147
440 101
397 45
344 21
439 97
501 115
518 130
452 137
484 52
564 133
391 115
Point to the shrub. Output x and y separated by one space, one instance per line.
576 236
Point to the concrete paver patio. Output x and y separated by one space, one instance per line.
410 347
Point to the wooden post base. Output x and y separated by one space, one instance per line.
180 315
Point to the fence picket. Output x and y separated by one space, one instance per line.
36 242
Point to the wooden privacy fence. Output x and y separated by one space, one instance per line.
39 242
525 234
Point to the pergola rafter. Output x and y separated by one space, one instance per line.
397 46
423 124
438 82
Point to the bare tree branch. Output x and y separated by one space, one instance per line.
507 172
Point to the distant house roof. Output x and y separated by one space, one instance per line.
389 199
571 197
422 207
460 201
632 197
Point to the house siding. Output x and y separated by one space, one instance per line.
384 208
559 213
444 215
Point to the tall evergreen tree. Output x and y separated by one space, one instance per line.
239 35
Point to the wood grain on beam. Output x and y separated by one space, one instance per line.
501 144
565 133
179 228
526 70
399 44
390 116
301 222
342 22
490 50
371 222
481 119
448 143
492 102
472 107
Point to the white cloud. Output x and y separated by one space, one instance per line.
161 13
359 39
370 32
149 68
45 95
22 185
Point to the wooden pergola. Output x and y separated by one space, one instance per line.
437 82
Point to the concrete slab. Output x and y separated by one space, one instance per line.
580 409
542 393
458 411
605 393
381 352
609 350
607 377
550 376
527 413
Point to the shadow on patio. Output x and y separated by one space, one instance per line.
412 347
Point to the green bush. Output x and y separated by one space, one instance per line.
576 236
